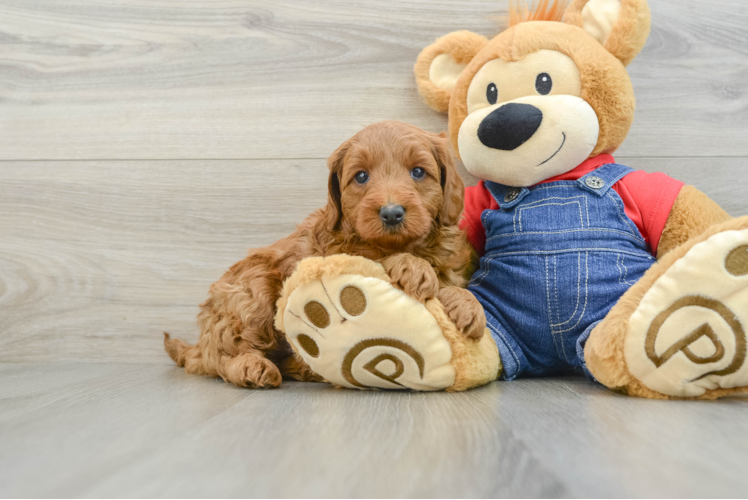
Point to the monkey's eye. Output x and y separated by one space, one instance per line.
418 173
543 84
492 93
362 177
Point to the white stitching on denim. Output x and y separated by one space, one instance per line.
586 293
621 173
555 287
478 280
625 272
560 338
507 344
623 217
571 185
527 207
620 271
540 203
587 209
553 310
548 288
619 208
591 230
579 290
570 250
537 202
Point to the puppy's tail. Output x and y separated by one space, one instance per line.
177 349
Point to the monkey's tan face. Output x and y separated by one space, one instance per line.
526 120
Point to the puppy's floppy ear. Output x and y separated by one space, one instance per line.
334 210
440 65
451 182
621 26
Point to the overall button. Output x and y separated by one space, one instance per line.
511 195
595 182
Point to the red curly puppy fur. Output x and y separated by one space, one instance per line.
425 254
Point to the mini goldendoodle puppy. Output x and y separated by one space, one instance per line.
394 197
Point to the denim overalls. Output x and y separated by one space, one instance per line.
558 257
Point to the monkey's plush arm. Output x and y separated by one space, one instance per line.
692 214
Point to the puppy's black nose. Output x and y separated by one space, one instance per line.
392 215
510 126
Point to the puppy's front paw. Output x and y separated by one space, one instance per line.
412 275
464 310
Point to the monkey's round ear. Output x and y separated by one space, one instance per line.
440 64
621 26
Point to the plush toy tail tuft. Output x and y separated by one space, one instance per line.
177 349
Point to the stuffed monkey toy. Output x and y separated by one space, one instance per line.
634 279
586 265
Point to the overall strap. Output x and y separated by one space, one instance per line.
506 196
601 180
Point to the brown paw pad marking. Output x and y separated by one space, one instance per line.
737 261
353 300
705 330
371 366
308 344
317 314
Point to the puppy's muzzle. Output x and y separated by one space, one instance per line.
392 215
510 126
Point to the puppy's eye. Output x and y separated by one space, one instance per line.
543 84
362 177
418 173
492 93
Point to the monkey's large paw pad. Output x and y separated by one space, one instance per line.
688 334
358 331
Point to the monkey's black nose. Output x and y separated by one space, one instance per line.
392 215
510 126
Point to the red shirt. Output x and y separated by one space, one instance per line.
647 199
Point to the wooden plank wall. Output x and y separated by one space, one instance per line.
145 145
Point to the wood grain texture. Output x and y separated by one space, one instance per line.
151 431
98 258
112 253
238 79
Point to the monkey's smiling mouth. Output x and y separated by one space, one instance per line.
554 154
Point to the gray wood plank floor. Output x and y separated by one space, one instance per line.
243 79
145 145
151 431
